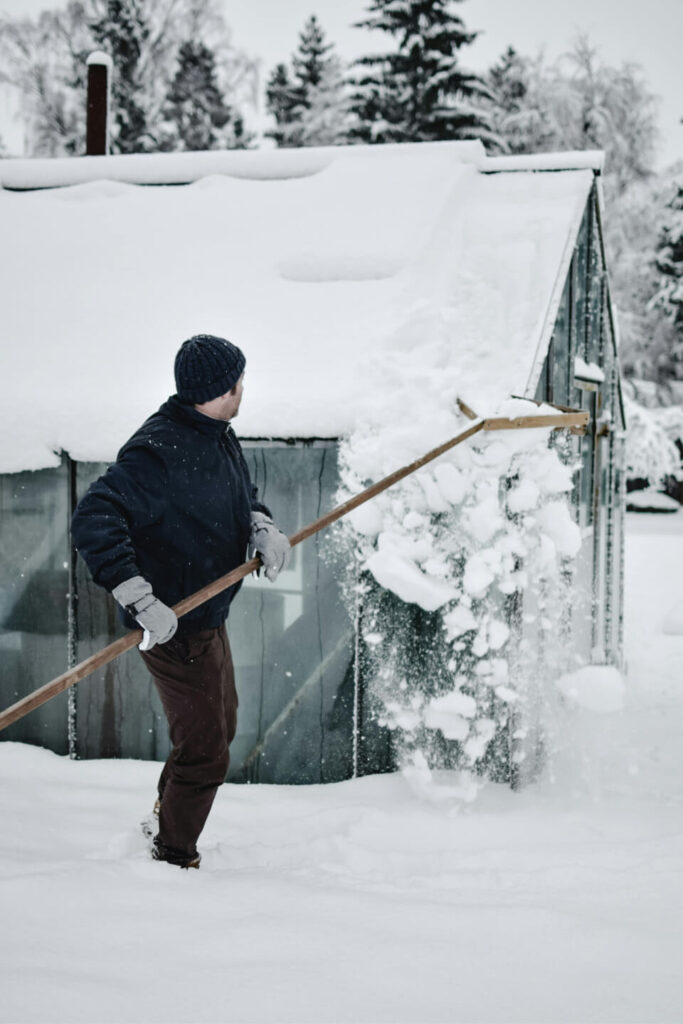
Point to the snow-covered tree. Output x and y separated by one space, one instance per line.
635 220
45 59
419 91
577 102
312 57
669 264
196 112
517 116
651 435
309 101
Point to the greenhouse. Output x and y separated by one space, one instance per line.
325 266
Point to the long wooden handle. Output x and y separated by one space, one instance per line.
125 643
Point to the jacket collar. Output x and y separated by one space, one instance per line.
181 412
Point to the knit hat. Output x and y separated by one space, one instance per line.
206 367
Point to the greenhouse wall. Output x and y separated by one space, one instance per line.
292 641
584 330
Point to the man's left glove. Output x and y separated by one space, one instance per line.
270 543
156 618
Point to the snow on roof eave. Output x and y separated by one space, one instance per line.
580 160
183 168
558 288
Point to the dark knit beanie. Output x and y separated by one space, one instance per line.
207 367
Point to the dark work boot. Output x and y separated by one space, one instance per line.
172 856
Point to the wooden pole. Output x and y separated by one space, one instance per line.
85 668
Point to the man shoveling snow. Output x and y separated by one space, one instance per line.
176 511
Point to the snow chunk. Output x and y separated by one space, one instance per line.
407 581
594 687
588 371
524 496
450 713
459 621
555 519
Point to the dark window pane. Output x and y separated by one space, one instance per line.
33 600
580 299
561 351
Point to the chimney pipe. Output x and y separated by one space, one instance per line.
97 129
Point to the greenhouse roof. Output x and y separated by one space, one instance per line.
324 265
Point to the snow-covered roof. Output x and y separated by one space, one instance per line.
321 264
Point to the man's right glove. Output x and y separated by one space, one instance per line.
156 618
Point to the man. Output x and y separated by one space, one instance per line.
176 511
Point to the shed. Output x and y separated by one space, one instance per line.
312 261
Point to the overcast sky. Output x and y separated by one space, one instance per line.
647 31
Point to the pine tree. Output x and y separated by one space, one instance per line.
522 124
419 93
313 56
509 80
195 108
282 100
309 102
669 263
122 33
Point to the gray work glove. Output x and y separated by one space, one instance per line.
156 618
270 543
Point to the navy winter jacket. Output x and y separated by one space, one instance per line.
175 508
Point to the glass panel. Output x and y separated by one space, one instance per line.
292 640
33 600
595 301
561 351
580 299
587 400
545 382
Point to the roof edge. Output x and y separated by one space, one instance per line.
575 160
183 168
556 297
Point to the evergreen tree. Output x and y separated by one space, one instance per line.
309 102
669 263
195 109
312 59
419 93
282 101
515 115
509 80
122 33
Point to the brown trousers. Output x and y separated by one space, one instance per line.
194 676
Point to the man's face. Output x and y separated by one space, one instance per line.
234 398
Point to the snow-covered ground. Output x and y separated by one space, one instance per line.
359 901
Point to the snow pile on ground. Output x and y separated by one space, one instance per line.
595 687
650 500
461 537
358 902
308 274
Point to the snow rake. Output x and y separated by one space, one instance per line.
566 419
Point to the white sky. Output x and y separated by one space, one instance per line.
647 32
